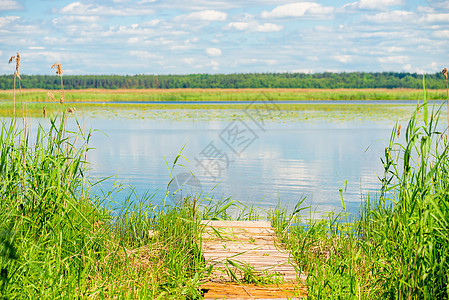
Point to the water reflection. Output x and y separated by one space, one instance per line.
286 162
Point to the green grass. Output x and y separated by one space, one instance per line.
60 241
397 246
283 113
101 95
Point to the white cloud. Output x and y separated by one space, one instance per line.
343 58
9 5
36 48
213 52
269 27
214 64
396 16
442 34
188 60
78 8
144 55
396 59
378 4
7 20
300 9
239 25
444 4
205 15
435 18
255 27
151 23
75 19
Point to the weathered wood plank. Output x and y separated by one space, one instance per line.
215 290
253 246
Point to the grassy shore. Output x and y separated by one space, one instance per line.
102 95
107 103
58 240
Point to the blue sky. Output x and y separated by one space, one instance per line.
201 36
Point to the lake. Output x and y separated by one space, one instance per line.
259 156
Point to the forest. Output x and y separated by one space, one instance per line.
354 80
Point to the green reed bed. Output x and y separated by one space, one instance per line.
226 111
397 247
58 241
61 241
102 95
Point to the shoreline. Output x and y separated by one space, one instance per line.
225 95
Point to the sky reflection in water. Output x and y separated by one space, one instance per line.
287 161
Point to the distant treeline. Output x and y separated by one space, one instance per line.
249 80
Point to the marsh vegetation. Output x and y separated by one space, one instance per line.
60 240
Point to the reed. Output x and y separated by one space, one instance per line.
397 245
447 92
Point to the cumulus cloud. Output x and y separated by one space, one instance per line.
396 59
144 55
10 5
343 58
205 15
440 4
213 52
255 27
435 18
78 8
300 9
442 34
389 17
75 19
7 20
378 4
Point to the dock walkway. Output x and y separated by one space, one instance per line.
248 262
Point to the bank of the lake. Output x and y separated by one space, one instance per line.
103 95
58 241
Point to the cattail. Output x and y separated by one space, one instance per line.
17 65
59 72
399 130
50 96
70 110
444 73
44 112
58 68
17 58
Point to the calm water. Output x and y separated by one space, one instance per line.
252 162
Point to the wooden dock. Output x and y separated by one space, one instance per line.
248 262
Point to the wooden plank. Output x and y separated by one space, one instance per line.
236 224
214 290
254 246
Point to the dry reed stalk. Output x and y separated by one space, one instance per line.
61 100
16 75
50 96
447 93
59 72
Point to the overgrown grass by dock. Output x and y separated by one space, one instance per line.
59 241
